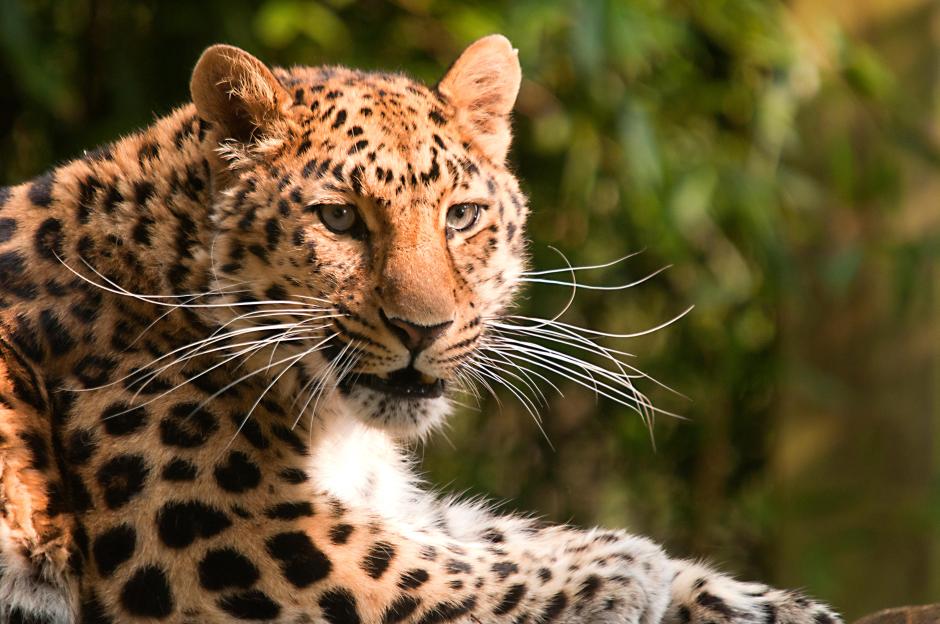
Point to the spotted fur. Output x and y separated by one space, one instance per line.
144 481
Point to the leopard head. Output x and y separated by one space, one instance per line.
366 225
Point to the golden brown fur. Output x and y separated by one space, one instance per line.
188 321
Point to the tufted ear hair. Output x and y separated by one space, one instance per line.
236 91
482 85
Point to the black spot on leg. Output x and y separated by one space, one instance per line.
147 593
339 607
180 470
339 120
250 605
57 337
180 523
511 599
554 607
340 533
454 566
114 547
94 371
294 476
449 611
303 147
187 426
301 563
289 511
400 609
378 558
80 446
413 579
121 479
589 587
238 473
120 419
223 568
714 603
504 568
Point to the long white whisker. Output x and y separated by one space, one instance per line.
246 352
538 280
274 381
570 338
262 369
524 372
580 372
524 400
197 348
594 332
583 268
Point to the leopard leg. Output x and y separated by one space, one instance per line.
36 532
700 594
587 577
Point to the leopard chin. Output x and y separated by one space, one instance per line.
401 415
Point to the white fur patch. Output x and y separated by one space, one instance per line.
19 589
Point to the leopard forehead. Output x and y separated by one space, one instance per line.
377 135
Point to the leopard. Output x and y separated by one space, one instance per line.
221 337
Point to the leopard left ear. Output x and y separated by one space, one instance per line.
237 91
482 85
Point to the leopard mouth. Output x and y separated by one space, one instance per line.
406 383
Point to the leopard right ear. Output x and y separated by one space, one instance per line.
238 92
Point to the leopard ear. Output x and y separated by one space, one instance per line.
237 91
482 85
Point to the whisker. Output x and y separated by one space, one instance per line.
319 382
580 372
258 371
574 340
538 280
595 332
267 389
246 352
583 268
523 399
525 372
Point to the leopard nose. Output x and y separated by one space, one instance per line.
415 337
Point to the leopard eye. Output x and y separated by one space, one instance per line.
461 217
338 218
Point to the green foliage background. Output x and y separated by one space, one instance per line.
782 157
